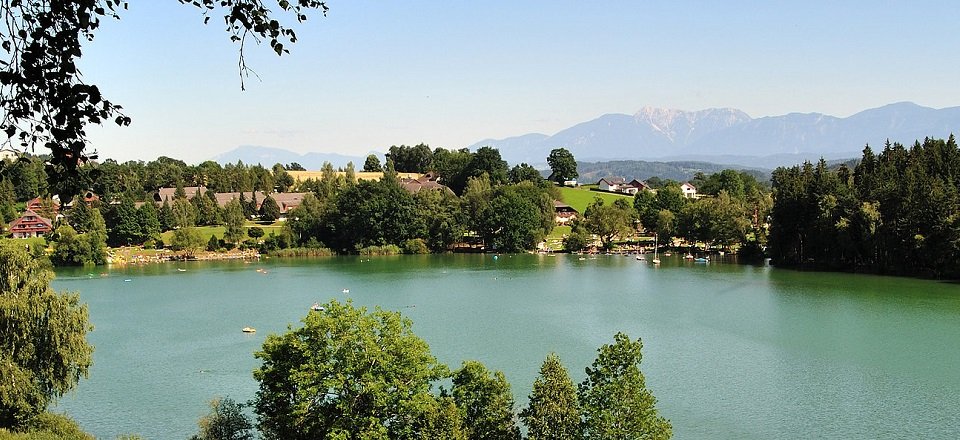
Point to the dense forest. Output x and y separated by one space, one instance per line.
895 212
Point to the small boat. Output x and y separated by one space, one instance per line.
582 259
656 248
181 270
127 280
668 254
688 257
316 307
249 330
702 260
346 290
641 258
722 253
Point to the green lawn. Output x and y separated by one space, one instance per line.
579 198
207 231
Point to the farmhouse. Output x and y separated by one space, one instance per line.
30 224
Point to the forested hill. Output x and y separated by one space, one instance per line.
591 172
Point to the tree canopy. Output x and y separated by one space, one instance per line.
347 373
43 346
562 164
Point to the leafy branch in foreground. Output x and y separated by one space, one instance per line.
45 101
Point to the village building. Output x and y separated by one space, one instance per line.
689 191
40 205
620 185
428 181
564 213
30 224
168 194
610 184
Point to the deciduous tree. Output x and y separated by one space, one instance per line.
348 374
562 164
614 398
485 400
43 346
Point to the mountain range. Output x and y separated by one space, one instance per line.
727 135
267 156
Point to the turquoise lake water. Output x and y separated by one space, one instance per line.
730 351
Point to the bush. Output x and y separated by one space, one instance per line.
225 421
388 249
48 426
255 232
302 252
415 246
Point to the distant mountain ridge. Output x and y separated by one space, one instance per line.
730 135
267 156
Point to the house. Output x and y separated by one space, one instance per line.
572 183
39 205
224 198
89 198
689 191
286 201
633 187
167 194
30 224
427 181
564 213
611 184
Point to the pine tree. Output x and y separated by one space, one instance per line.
553 412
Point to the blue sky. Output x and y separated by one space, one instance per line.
450 73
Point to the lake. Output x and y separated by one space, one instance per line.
730 351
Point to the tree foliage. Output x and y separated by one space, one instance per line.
608 221
347 374
553 412
43 346
895 213
615 401
225 421
562 165
45 101
485 400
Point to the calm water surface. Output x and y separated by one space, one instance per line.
730 351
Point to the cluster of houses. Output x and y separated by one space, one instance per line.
620 185
32 224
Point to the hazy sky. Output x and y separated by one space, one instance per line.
450 73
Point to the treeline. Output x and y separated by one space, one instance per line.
731 212
490 204
894 213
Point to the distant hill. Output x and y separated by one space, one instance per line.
591 172
731 136
267 156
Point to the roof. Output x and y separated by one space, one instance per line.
689 185
416 185
224 198
612 180
169 193
23 224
